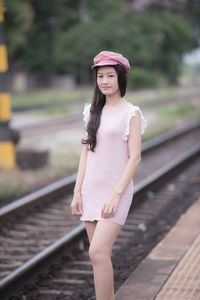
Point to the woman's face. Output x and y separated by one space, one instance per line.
107 80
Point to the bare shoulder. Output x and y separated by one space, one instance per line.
85 146
135 119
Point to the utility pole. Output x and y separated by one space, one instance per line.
8 136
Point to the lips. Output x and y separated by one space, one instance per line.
106 88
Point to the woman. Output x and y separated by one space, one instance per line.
110 155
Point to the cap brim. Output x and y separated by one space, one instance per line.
104 64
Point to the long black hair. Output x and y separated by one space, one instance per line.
98 103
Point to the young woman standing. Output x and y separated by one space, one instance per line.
110 155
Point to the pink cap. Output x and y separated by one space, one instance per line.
111 58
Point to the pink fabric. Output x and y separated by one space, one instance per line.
105 166
111 58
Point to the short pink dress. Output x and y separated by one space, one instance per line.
105 166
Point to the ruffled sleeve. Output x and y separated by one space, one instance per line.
130 114
86 113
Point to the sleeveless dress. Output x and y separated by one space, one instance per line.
105 166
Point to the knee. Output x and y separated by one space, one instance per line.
97 256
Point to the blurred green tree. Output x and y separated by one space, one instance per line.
63 36
19 18
37 52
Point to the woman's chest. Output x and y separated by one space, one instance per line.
111 125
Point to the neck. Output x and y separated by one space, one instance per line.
114 99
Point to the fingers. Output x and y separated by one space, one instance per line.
108 211
102 211
77 209
80 208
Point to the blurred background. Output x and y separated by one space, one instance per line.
47 49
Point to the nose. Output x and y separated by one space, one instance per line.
105 80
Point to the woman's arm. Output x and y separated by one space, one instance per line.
76 204
134 147
81 167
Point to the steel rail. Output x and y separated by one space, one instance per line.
67 183
177 163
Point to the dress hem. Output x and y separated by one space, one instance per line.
101 219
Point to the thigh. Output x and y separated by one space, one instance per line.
104 235
90 228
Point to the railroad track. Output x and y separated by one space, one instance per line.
41 127
36 227
188 92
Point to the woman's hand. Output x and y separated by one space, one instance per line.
76 204
110 205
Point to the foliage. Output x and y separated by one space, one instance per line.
65 35
14 189
142 78
19 17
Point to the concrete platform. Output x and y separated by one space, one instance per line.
172 270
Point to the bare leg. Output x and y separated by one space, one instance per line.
90 228
100 254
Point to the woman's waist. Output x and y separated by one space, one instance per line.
97 186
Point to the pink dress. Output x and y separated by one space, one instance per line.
105 166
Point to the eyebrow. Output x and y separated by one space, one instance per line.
107 72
